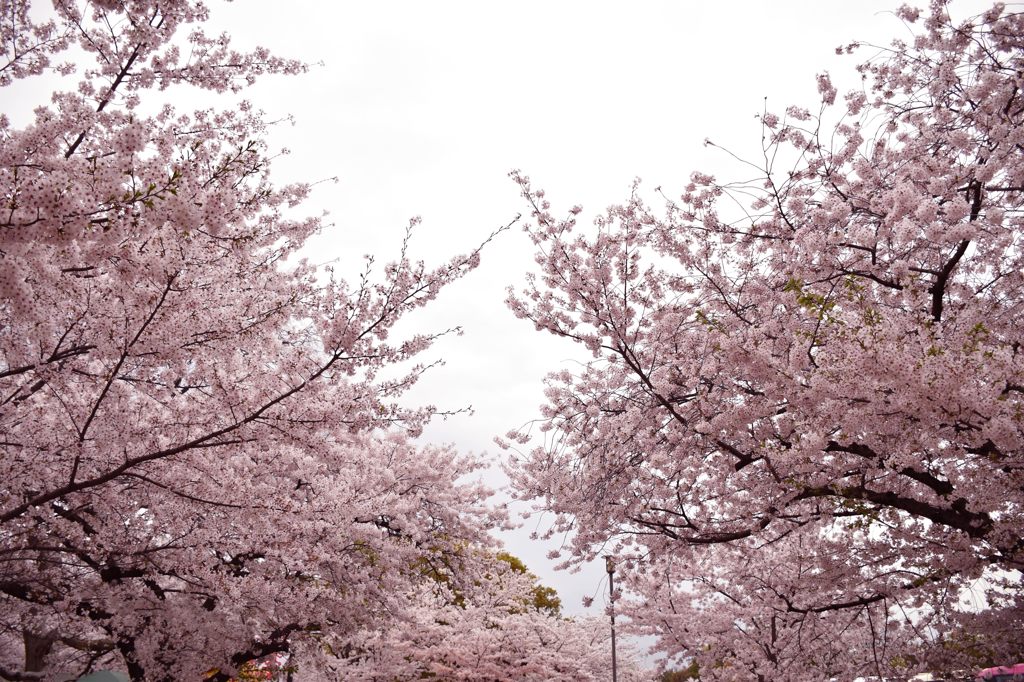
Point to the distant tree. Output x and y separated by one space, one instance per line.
801 433
202 460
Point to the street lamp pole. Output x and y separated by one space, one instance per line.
609 565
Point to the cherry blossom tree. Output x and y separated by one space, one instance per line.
504 626
801 430
202 457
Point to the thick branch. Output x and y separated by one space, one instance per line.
941 488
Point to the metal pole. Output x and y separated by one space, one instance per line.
609 565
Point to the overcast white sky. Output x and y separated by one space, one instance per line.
422 108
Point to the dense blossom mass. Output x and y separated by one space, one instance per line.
503 627
203 463
801 432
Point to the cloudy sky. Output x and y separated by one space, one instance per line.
422 108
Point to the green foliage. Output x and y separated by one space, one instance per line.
975 337
818 304
708 322
514 562
690 672
545 599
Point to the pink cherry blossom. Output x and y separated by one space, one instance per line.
203 457
807 449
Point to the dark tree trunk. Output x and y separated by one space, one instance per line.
37 648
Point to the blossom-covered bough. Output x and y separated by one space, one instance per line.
202 462
801 433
